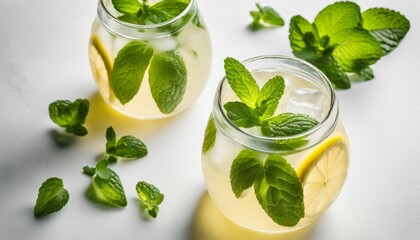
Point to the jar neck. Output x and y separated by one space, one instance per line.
108 16
279 145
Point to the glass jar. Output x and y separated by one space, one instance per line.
318 158
145 68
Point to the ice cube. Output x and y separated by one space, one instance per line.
305 100
164 44
307 94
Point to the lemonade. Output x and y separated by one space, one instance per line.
320 159
176 53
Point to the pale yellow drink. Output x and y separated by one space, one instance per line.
189 38
330 143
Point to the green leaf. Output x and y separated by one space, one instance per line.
356 49
131 18
171 7
102 169
298 27
110 189
331 68
387 26
90 171
241 115
129 68
130 147
241 82
155 16
289 144
126 6
168 80
280 192
70 115
288 124
111 140
209 135
52 196
336 17
244 170
126 147
302 38
265 17
150 197
270 95
366 73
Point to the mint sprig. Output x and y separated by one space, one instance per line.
167 70
265 17
276 185
52 197
143 13
257 107
344 41
126 147
106 184
150 198
70 115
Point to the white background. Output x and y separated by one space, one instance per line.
43 58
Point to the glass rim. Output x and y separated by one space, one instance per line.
331 114
147 26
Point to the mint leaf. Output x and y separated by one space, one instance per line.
302 39
130 147
356 49
171 7
241 115
52 196
126 147
110 189
102 169
209 135
336 17
150 197
111 140
366 73
168 80
126 6
90 171
244 170
332 69
129 68
289 144
279 192
154 16
144 14
70 115
265 17
288 124
387 26
241 82
270 95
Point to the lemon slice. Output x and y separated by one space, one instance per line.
101 65
323 174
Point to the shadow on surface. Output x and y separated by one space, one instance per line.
210 224
101 116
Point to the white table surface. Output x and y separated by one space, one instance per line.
43 58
